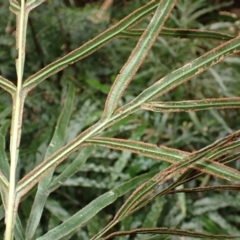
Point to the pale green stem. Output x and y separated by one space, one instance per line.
18 101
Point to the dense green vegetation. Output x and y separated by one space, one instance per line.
55 29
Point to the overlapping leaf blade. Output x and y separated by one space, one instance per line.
85 214
171 232
147 191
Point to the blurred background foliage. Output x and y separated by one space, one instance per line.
57 27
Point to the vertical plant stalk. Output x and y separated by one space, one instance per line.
18 102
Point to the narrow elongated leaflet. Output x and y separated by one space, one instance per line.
7 85
180 33
85 214
137 56
192 105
